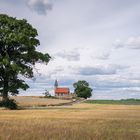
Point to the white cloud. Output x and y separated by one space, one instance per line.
69 55
91 27
118 44
104 56
131 43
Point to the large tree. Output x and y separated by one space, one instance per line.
82 89
18 54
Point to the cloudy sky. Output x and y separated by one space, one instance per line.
93 40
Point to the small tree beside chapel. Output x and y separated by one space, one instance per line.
82 89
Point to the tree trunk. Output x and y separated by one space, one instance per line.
5 91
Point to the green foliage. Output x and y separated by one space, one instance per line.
123 101
47 94
82 89
9 103
18 54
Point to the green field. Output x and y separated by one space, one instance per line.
121 102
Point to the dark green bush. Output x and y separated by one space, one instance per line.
9 103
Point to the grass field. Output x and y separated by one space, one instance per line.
121 102
77 122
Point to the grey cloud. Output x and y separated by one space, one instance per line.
120 83
107 82
70 56
116 94
40 6
100 70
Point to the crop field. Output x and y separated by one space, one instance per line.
32 101
78 122
119 102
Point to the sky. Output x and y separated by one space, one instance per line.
93 40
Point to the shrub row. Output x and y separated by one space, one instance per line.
9 103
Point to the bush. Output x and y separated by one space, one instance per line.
9 103
47 94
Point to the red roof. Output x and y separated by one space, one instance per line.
62 90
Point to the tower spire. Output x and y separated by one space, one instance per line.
56 84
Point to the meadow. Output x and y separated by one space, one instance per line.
78 122
119 102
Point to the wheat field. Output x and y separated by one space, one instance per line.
77 122
36 101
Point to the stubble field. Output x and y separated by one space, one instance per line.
77 122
